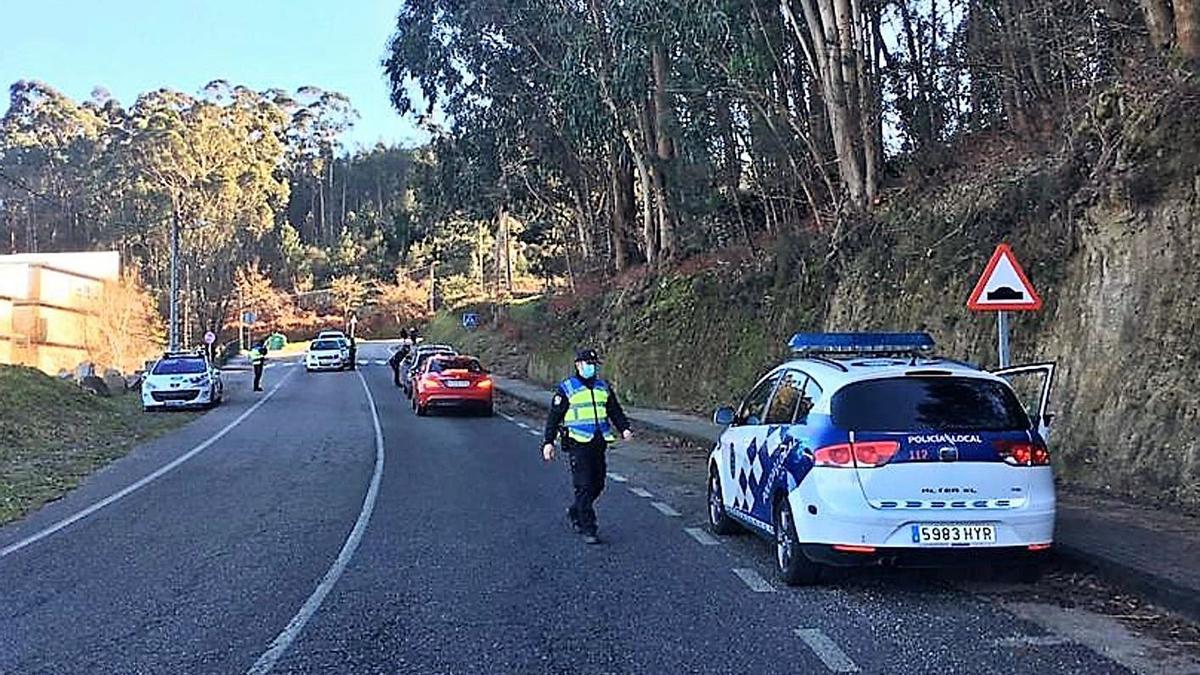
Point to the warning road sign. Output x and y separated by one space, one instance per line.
1004 286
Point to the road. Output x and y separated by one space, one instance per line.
295 543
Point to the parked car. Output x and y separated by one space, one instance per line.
866 449
182 380
411 367
453 381
327 354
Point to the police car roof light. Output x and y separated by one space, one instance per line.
856 344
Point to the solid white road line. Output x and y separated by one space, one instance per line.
1031 641
753 579
143 482
827 650
701 536
665 509
280 644
617 478
641 492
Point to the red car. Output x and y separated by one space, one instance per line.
453 381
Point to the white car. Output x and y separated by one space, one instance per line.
327 354
332 334
865 449
182 380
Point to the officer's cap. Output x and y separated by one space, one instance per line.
587 356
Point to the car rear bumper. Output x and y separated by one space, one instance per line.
923 557
459 399
830 509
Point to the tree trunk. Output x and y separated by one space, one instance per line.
1159 22
650 231
665 151
1187 29
622 205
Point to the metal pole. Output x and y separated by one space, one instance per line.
1002 338
173 331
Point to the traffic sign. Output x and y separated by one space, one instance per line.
249 317
470 320
1004 286
210 337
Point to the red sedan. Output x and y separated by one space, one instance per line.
452 381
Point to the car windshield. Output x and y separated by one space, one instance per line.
185 366
326 345
443 364
928 404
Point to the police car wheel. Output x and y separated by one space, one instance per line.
718 521
794 567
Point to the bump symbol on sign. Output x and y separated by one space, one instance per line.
1003 287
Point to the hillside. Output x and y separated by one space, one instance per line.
53 434
1098 225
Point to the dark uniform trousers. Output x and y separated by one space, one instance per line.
588 470
258 371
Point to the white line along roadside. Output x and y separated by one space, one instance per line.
701 536
280 644
665 509
642 492
141 483
754 580
827 650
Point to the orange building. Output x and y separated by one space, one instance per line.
46 303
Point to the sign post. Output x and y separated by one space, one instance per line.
1003 288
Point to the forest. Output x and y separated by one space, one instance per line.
569 140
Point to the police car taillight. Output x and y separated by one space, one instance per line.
1023 453
863 454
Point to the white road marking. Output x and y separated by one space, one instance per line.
364 362
379 362
280 644
701 536
143 482
523 425
535 432
508 417
641 492
617 478
754 580
827 650
1031 641
1106 636
665 509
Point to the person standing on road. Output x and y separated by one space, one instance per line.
258 359
399 355
353 348
586 413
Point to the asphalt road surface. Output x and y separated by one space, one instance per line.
302 541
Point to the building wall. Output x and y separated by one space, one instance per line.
47 300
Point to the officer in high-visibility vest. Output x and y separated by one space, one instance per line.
258 359
586 413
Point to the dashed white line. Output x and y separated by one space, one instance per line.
523 425
753 579
641 492
143 482
827 650
535 432
665 509
280 644
701 536
617 478
508 417
379 362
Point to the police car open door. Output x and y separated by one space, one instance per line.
1032 386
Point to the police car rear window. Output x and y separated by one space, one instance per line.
928 404
180 367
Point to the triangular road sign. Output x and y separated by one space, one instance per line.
1004 286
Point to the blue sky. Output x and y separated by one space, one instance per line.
131 46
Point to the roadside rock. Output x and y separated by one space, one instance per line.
95 385
114 380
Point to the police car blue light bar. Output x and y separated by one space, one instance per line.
861 343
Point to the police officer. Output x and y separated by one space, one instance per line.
586 412
258 359
353 349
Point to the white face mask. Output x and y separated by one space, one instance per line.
587 370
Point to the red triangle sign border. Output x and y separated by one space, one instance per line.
1004 251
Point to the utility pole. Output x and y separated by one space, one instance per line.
173 331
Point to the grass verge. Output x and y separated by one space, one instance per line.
53 435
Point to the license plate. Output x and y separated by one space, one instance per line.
954 534
457 384
172 403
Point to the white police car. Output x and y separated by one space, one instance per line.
865 449
182 380
327 353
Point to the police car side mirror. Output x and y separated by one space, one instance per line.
723 416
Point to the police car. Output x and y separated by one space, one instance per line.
867 449
182 380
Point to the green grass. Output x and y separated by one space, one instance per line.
53 435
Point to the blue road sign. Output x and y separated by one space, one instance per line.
470 320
